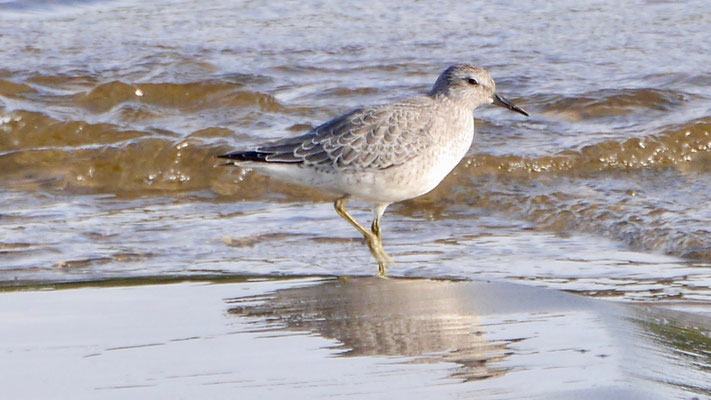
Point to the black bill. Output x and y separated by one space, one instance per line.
501 101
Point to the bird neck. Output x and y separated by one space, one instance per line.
445 99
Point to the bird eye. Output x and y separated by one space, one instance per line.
472 81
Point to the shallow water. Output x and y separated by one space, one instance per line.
355 337
111 113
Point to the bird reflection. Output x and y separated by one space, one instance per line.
423 320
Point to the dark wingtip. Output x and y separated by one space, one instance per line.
245 156
262 157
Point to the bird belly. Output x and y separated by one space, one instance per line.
414 178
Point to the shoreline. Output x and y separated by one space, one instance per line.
299 336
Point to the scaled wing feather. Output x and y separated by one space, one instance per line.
375 138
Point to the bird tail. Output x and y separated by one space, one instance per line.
262 156
259 156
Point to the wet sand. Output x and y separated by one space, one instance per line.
345 337
108 173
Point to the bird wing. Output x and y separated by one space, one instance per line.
375 138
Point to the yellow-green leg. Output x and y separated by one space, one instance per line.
379 210
373 237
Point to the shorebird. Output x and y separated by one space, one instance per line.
383 154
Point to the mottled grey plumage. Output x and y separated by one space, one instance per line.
385 153
378 137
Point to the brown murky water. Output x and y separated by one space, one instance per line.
111 114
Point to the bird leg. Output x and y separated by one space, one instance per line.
375 228
373 237
379 210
